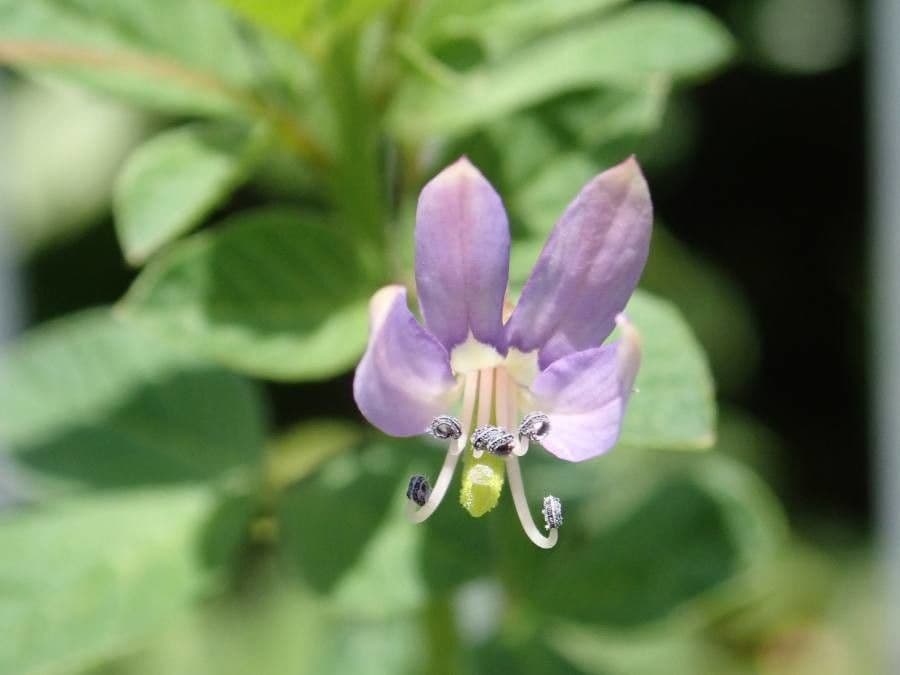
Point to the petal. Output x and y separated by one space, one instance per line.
404 379
588 268
462 257
584 394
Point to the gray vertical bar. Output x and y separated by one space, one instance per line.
884 98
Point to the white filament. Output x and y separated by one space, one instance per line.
518 492
454 450
485 393
506 415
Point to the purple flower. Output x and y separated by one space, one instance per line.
535 373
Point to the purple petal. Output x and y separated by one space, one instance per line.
462 257
588 268
584 394
404 379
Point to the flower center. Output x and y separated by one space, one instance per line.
490 439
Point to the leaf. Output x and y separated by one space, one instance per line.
541 201
57 128
273 293
285 17
90 399
501 26
673 406
648 40
615 112
695 528
176 56
87 578
327 520
171 182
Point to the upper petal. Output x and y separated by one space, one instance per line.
462 257
404 379
584 394
588 268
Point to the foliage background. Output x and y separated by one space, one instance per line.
190 488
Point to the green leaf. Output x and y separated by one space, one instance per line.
612 113
352 490
648 40
287 18
88 578
273 292
500 26
177 56
541 201
58 127
174 180
90 399
694 529
673 406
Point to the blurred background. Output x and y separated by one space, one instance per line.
125 126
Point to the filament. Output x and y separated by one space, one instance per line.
518 492
454 450
485 392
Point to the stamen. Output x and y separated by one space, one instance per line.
553 513
454 450
495 440
418 489
518 492
535 426
445 427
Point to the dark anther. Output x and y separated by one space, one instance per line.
418 490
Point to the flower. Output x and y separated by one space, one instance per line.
544 372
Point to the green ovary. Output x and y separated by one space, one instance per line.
482 483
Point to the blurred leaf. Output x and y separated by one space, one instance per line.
295 454
541 201
673 652
650 39
501 26
271 627
66 148
392 647
327 520
87 578
285 17
273 292
711 302
174 180
181 56
529 658
87 398
605 115
370 589
673 406
688 533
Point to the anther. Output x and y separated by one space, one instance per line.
495 440
418 490
445 427
535 426
552 512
